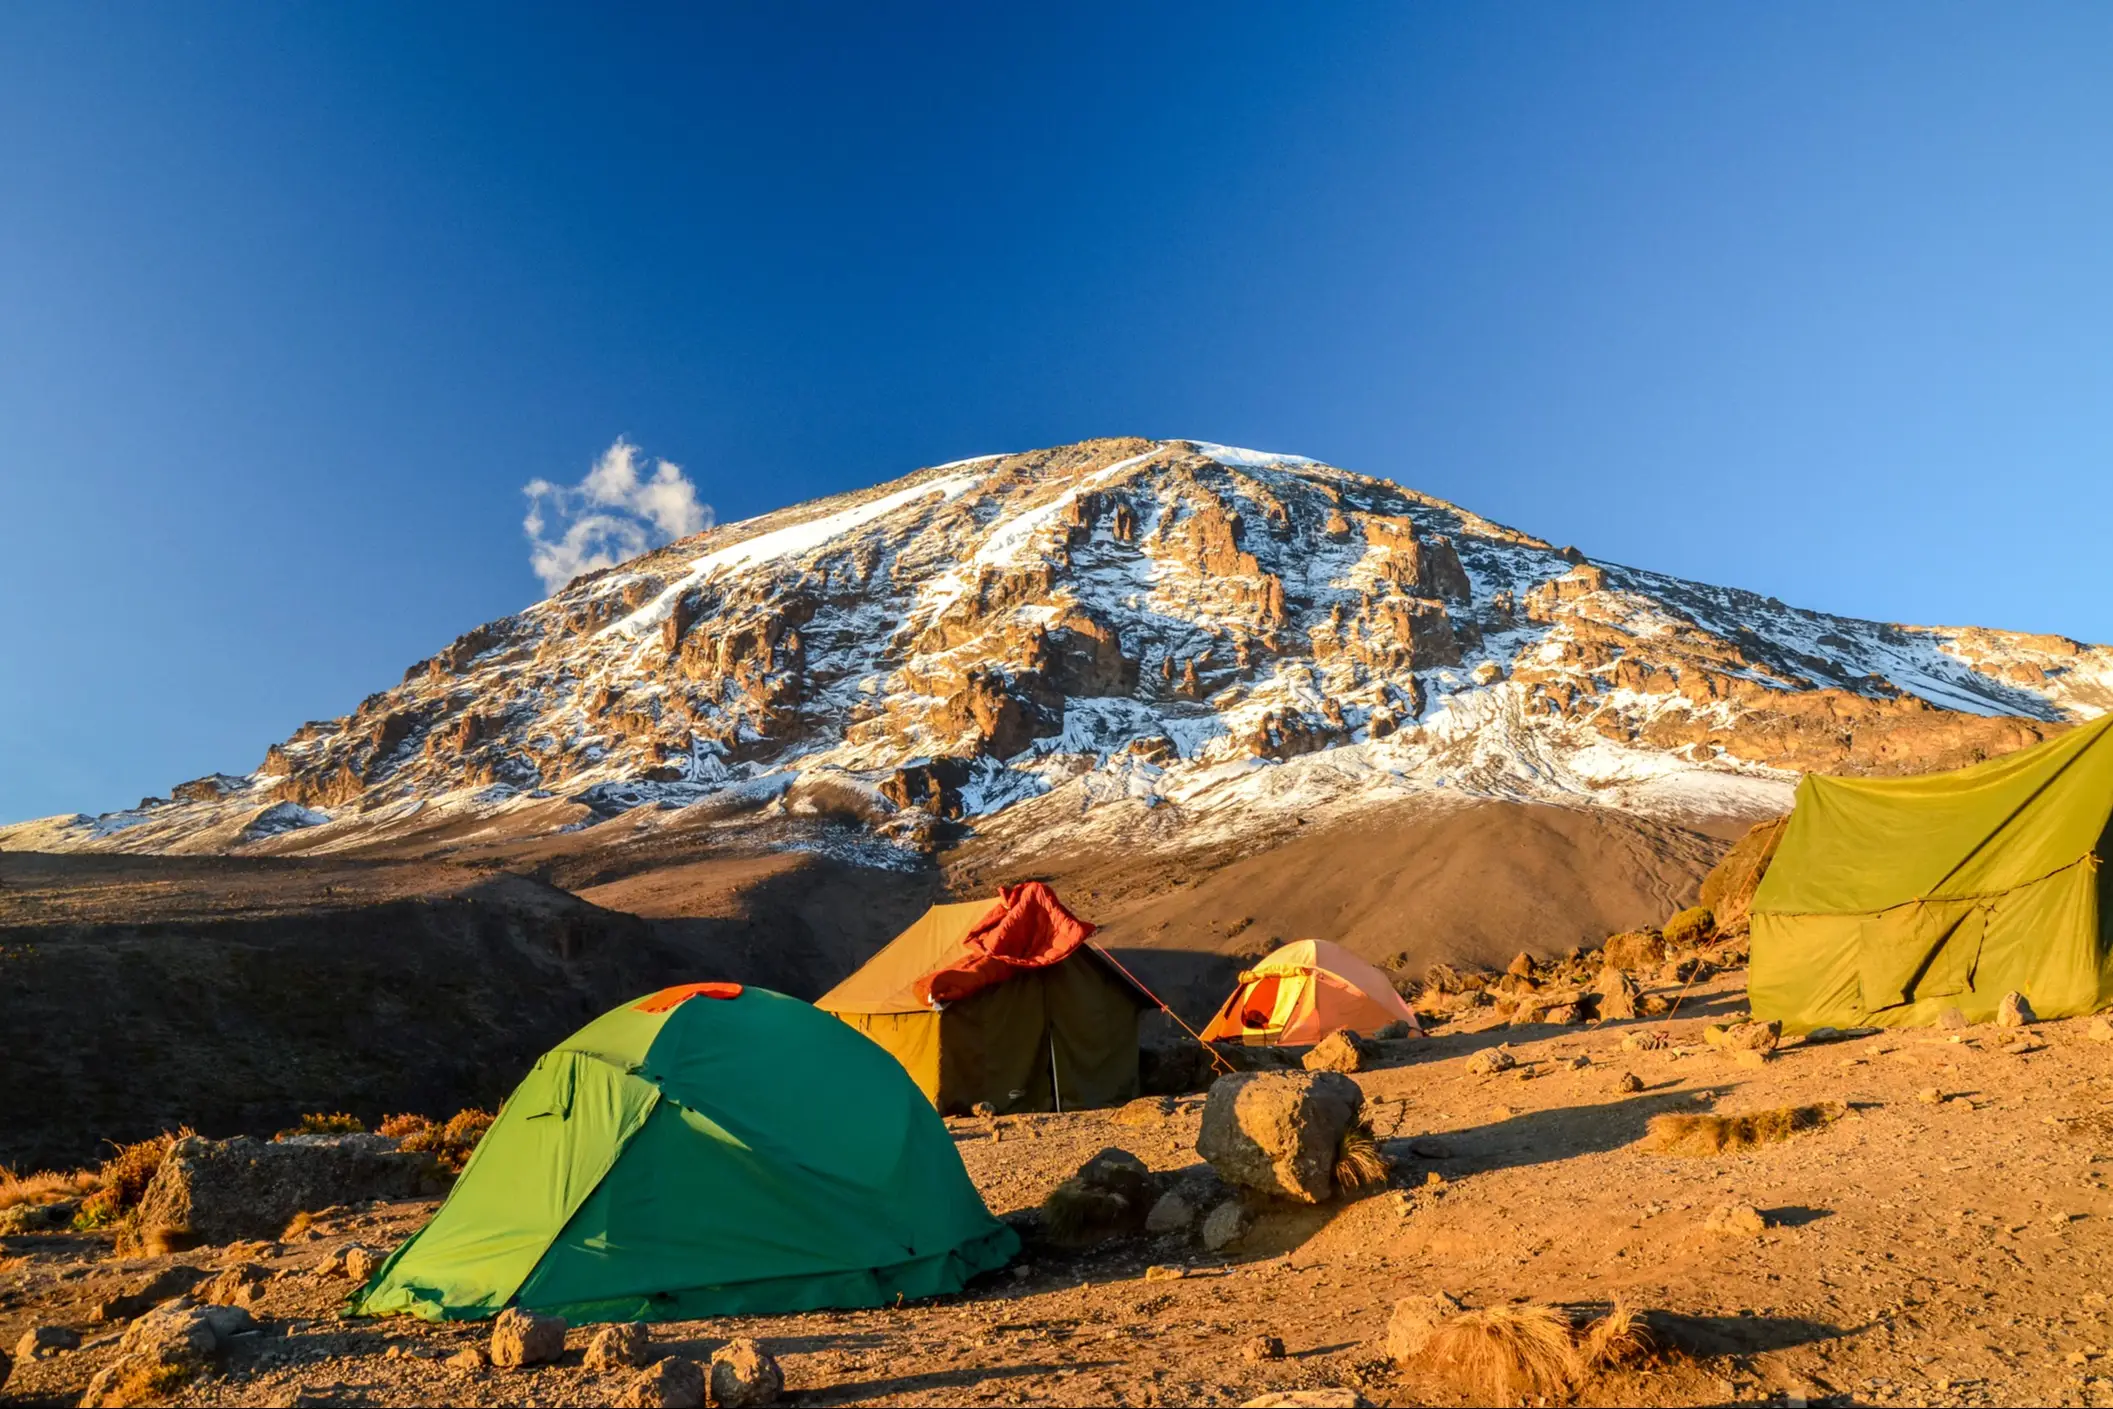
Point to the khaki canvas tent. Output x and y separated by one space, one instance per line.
1001 1001
1891 899
1303 992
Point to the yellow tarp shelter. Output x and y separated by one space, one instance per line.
1891 899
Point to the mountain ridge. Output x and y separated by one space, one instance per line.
1167 642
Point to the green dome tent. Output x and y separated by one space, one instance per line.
708 1151
1892 899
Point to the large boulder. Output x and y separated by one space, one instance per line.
1279 1132
221 1191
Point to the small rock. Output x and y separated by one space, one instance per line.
1491 1060
1145 1110
2015 1011
2100 1030
1413 1320
176 1332
1642 1041
1736 1221
1748 1056
1521 967
1170 1213
1165 1272
742 1374
673 1383
169 1282
241 1285
1394 1032
1340 1050
524 1338
1630 1082
1564 1014
1617 994
38 1218
983 1110
360 1262
43 1342
1930 1096
1823 1034
622 1346
1952 1020
1264 1348
471 1361
1578 1062
1224 1227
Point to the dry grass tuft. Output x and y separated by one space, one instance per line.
452 1143
43 1187
155 1240
297 1225
1358 1161
1674 1134
1078 1213
123 1178
318 1123
1505 1353
1617 1338
146 1380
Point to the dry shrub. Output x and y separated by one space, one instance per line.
1616 1338
1691 928
1078 1213
451 1143
146 1380
123 1178
43 1187
317 1123
1358 1161
1505 1353
155 1240
1675 1134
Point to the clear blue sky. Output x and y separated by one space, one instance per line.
1811 299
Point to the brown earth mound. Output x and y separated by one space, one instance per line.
1467 885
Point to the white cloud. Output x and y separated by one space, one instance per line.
614 514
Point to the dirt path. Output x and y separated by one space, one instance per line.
1946 1251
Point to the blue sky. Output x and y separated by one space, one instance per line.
1815 300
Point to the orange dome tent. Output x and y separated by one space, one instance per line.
1302 993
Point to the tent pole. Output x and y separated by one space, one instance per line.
1218 1062
1054 1090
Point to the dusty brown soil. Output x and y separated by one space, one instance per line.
1465 885
1918 1251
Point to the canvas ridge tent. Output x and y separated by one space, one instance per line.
708 1151
1891 899
1304 991
1001 1001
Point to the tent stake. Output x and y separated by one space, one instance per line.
1054 1089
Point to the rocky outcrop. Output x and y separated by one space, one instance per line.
223 1191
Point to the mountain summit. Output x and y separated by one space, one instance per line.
1171 642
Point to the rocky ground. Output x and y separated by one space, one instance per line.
1939 1244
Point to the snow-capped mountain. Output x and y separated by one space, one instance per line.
1167 641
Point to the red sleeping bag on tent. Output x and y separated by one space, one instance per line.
1028 928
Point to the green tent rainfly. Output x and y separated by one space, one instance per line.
708 1151
1892 899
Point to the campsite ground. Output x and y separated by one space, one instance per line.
1942 1244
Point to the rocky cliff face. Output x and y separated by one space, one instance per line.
1168 641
